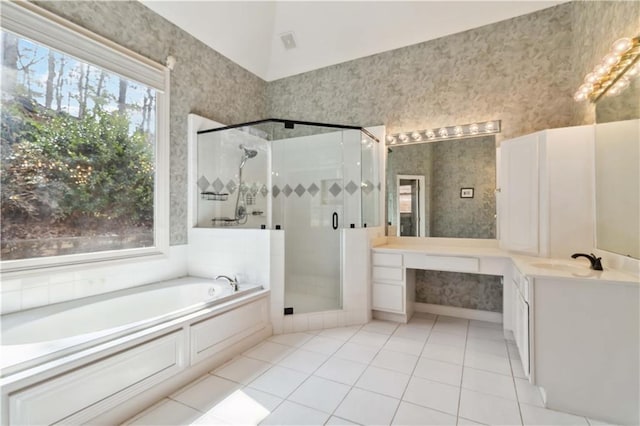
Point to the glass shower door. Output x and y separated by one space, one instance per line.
308 203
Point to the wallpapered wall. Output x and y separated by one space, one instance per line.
447 167
203 81
515 70
471 291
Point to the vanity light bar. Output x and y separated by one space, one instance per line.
614 73
448 132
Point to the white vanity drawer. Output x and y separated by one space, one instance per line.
383 273
441 263
387 259
388 297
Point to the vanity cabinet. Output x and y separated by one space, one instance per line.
545 199
392 286
521 319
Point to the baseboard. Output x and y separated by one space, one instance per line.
388 316
454 311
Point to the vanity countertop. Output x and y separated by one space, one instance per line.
528 265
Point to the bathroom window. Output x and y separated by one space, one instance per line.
83 146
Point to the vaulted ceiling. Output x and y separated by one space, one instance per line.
326 33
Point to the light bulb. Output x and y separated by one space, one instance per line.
430 134
611 59
391 140
474 128
443 132
403 138
489 127
458 131
586 88
621 84
600 70
634 71
416 136
591 78
579 96
613 92
622 45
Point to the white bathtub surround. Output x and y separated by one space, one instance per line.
397 384
26 290
243 253
106 373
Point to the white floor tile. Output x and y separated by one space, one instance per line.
439 371
386 382
304 361
451 328
340 333
367 408
488 409
489 383
594 422
243 407
396 361
323 345
291 339
434 395
269 352
485 324
279 381
409 331
411 414
166 412
448 339
337 421
319 393
357 352
290 413
341 370
206 392
466 422
488 362
382 327
242 369
446 353
528 393
423 316
407 346
485 346
541 416
486 333
375 340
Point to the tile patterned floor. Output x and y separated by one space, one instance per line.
432 371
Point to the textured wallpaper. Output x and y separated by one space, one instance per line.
515 70
203 81
447 167
471 291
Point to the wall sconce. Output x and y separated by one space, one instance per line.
614 73
447 132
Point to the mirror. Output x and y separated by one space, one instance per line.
617 152
442 189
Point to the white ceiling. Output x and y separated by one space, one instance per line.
326 33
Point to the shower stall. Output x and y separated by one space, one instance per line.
313 181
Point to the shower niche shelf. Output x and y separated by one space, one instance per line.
214 196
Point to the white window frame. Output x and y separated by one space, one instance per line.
38 25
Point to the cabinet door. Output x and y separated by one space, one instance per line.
388 297
519 194
522 331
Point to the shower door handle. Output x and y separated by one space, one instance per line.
335 220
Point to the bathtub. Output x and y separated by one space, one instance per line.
39 335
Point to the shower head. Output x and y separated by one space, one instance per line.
248 153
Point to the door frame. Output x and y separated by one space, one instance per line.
422 189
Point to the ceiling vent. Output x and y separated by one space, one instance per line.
288 40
